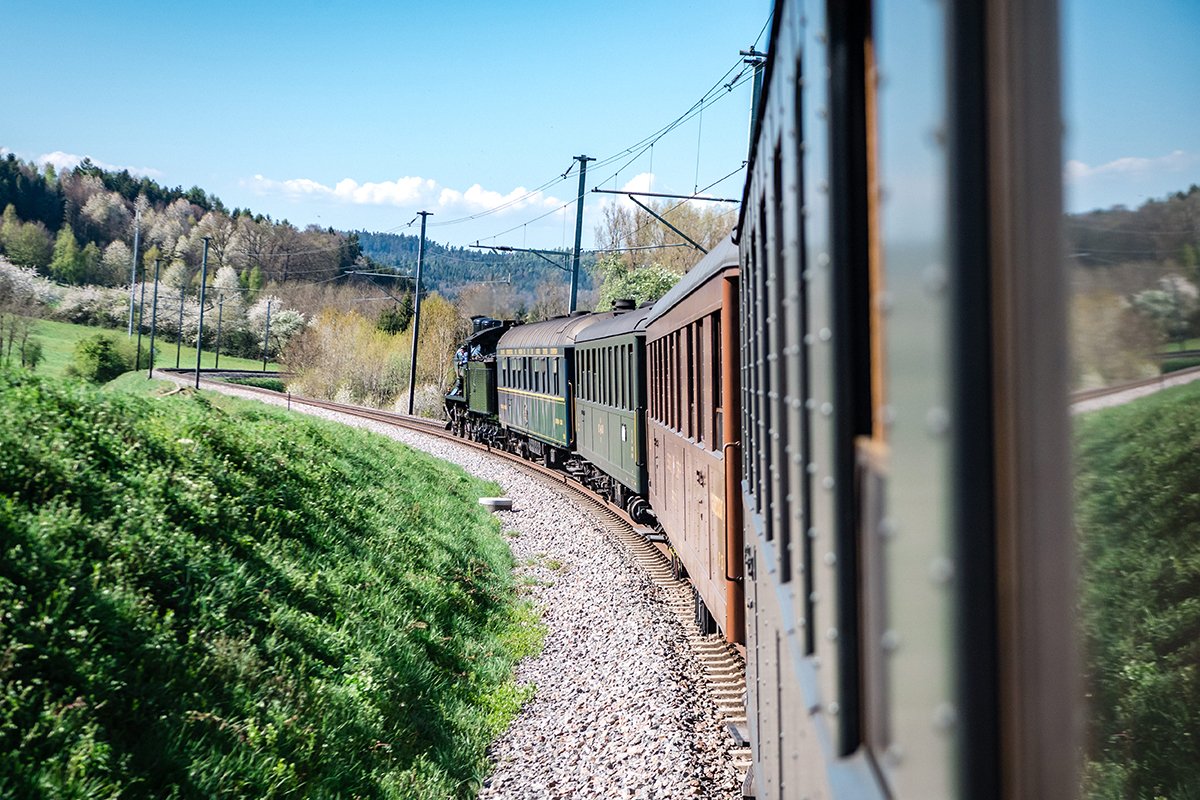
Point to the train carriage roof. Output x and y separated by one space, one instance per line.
721 257
558 332
619 325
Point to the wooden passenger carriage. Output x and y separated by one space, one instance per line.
691 420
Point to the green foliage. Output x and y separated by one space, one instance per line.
1176 364
102 357
68 263
203 602
396 318
1139 524
639 283
28 245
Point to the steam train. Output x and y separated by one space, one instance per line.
849 421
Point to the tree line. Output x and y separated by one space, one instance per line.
78 228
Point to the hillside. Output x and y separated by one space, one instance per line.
449 270
206 600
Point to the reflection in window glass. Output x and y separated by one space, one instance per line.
911 56
1132 260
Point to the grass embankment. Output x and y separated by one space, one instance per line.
1139 522
58 348
203 601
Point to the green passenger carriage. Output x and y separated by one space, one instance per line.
534 368
611 402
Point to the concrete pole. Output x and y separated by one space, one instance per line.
578 230
179 338
137 228
266 335
220 311
200 330
153 320
416 323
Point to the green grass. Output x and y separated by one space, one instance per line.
204 597
1138 518
1174 347
274 384
59 338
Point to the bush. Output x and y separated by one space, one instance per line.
1138 518
100 358
1176 364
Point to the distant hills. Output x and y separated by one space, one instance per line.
449 270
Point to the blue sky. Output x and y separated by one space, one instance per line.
359 115
1131 100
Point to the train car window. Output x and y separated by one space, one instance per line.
681 371
762 364
781 461
749 374
702 394
718 370
689 372
661 376
625 377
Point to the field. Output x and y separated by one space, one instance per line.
1138 485
59 338
205 597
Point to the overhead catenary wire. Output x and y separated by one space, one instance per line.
634 151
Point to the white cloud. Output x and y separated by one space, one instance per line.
62 161
1178 161
1128 181
407 192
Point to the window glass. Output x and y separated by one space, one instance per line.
911 54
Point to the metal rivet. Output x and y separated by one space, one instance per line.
823 260
831 634
827 483
890 640
813 597
826 409
809 338
825 334
887 527
944 717
834 707
812 533
935 279
941 570
937 420
810 403
812 468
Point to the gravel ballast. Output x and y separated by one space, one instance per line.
620 708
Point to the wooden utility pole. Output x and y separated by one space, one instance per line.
416 323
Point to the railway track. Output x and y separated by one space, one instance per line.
723 664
